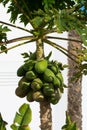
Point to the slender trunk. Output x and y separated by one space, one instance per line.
75 87
45 116
45 108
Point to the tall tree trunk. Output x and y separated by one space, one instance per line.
45 108
75 87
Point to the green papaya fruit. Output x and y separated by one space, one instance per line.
59 75
41 66
23 79
30 75
29 96
54 69
56 82
54 99
29 65
48 89
23 87
21 71
36 84
48 75
53 65
38 96
21 91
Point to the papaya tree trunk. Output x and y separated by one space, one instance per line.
75 87
45 107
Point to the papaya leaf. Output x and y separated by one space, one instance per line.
3 37
27 114
3 47
4 29
69 124
48 3
23 117
37 21
14 127
2 123
83 34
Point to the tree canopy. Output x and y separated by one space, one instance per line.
57 16
46 17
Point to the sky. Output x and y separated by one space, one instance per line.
9 81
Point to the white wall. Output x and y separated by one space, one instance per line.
8 81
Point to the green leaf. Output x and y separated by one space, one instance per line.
24 10
14 127
4 29
83 34
25 111
2 123
3 37
48 4
18 118
23 118
37 22
3 47
69 124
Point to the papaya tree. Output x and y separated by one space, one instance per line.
41 78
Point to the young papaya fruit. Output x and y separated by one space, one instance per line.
59 75
48 75
56 82
41 66
54 99
53 65
38 96
23 79
25 85
21 91
48 89
29 96
36 84
21 71
30 75
23 88
54 69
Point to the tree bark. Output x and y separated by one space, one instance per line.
45 116
45 107
75 87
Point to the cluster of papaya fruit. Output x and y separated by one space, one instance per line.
40 80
